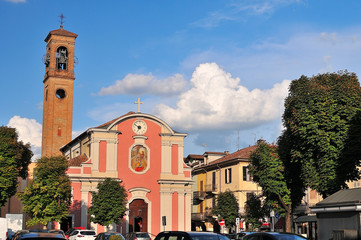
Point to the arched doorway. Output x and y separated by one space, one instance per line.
138 216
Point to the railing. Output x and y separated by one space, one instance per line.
197 217
199 195
211 188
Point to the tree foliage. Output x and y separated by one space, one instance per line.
227 208
48 196
322 121
255 211
14 160
109 203
269 172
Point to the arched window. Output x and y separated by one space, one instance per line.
62 58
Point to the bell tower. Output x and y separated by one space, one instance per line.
58 91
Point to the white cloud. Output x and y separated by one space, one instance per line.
288 57
240 10
29 131
138 84
16 1
217 101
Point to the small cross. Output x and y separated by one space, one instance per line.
138 102
61 19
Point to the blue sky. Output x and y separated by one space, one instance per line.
217 70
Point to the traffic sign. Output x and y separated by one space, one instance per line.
221 223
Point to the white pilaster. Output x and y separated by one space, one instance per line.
84 208
166 209
111 154
95 154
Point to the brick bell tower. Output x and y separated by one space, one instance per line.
58 91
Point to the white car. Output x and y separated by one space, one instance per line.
82 235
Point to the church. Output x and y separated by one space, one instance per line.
140 151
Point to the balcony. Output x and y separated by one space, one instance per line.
211 188
199 195
197 217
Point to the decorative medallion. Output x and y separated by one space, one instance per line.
139 158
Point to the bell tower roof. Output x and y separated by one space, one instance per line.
61 32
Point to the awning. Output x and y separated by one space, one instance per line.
307 218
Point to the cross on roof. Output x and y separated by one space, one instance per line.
138 102
61 19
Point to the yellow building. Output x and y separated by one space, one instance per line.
214 173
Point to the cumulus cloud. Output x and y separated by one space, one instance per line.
218 101
29 131
139 84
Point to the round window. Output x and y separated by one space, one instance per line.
60 93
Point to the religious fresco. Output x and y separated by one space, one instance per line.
139 158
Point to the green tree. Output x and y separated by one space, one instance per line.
255 211
322 130
14 160
227 208
109 203
48 196
269 172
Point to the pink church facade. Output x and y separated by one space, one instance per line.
145 155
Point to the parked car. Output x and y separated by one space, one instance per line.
82 235
238 236
107 235
57 231
273 236
39 236
170 235
70 230
14 236
137 236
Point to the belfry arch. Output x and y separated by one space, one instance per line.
62 58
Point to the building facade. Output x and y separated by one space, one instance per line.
145 155
217 173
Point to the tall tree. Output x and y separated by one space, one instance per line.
268 171
109 203
322 123
255 211
48 196
227 208
15 156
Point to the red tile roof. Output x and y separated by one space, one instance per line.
111 121
244 153
61 32
77 161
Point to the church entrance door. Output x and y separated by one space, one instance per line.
138 216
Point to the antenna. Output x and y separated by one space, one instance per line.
238 140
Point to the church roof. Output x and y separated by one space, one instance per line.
107 124
61 32
77 161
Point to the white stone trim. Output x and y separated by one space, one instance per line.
140 193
